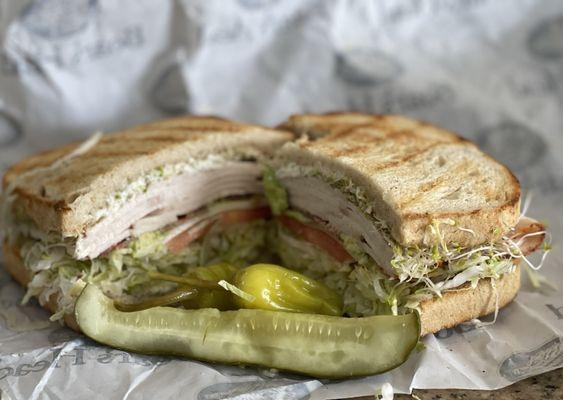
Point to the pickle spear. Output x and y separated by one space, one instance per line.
317 345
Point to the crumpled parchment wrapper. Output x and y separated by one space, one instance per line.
491 70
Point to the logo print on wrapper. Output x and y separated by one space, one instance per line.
56 19
256 3
546 39
170 93
283 389
394 99
522 365
513 144
525 152
10 130
367 67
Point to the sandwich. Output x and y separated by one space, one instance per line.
163 196
381 229
400 215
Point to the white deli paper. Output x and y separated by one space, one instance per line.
491 70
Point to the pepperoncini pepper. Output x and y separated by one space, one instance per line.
280 289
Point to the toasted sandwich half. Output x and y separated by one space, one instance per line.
165 196
398 214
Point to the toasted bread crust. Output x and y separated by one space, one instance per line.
62 199
415 174
466 304
452 309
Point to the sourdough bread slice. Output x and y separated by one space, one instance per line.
452 309
414 173
62 199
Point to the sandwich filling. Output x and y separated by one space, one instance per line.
228 230
171 219
180 217
317 213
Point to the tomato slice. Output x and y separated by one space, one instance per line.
179 242
317 237
236 216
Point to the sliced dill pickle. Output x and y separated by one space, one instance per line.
317 345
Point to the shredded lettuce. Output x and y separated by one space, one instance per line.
275 192
430 270
366 289
302 256
122 272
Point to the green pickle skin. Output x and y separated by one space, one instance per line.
321 346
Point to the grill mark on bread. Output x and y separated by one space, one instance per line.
346 132
165 139
510 203
366 133
141 137
402 160
121 156
337 118
199 128
364 140
184 132
190 122
411 140
406 144
39 160
332 129
350 130
194 119
400 134
114 154
427 187
361 148
343 113
359 132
